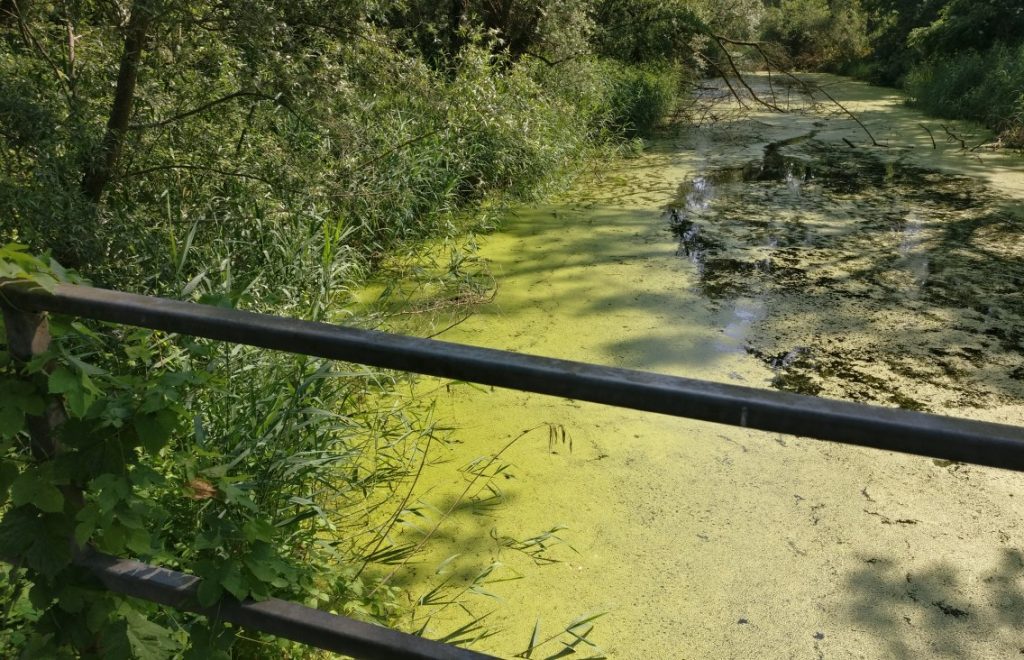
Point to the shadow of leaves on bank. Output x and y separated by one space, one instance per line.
933 613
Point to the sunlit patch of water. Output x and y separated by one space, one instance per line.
854 260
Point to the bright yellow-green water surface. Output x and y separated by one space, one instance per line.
889 275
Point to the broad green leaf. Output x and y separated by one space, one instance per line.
148 640
17 399
63 380
209 592
139 541
49 554
258 530
75 388
17 529
261 570
155 429
207 540
86 518
232 580
72 599
41 596
112 539
32 487
113 641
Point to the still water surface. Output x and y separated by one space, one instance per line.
761 250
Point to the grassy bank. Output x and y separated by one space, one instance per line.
271 158
987 87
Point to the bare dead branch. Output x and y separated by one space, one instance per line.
725 79
805 86
953 137
930 136
732 65
550 62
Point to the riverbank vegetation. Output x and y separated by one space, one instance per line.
273 156
962 59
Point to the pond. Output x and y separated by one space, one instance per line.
772 250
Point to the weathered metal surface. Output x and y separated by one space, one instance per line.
277 617
911 432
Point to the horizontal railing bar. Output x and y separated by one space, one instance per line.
983 443
285 619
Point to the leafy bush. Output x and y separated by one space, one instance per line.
817 34
987 87
641 97
965 25
230 463
273 156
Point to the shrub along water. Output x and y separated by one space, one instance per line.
270 156
987 87
956 58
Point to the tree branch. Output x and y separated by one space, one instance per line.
203 108
200 168
804 85
743 81
725 79
550 62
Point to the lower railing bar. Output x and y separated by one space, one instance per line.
906 431
277 617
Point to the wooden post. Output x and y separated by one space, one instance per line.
28 335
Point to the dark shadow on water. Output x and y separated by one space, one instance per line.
926 614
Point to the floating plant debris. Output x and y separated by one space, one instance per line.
880 281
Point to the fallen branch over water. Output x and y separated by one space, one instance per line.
770 63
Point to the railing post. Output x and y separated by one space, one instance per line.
28 335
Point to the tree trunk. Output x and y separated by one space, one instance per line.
456 18
100 170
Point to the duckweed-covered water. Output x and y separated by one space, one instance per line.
762 250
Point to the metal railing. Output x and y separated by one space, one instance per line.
936 436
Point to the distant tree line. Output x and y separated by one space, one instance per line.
956 58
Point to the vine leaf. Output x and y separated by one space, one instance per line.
78 389
49 554
33 488
154 429
17 399
232 580
209 592
148 640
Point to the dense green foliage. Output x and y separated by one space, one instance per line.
268 155
986 86
273 155
817 33
956 58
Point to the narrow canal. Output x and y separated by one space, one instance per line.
764 250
